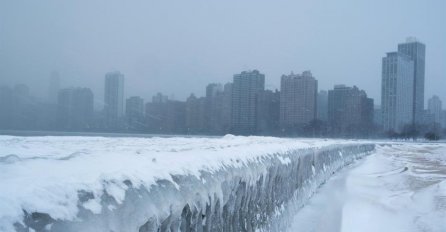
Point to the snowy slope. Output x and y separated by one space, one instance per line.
67 177
400 187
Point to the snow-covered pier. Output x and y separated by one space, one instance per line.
163 184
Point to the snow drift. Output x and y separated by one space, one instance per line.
162 184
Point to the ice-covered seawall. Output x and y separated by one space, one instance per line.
162 184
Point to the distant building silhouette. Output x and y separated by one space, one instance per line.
214 108
397 101
245 91
322 105
134 112
114 99
75 109
268 105
434 107
298 100
195 115
350 111
416 51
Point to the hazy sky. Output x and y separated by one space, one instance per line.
177 47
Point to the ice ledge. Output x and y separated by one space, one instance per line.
258 194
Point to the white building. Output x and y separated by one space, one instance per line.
397 86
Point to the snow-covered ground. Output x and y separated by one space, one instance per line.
46 174
399 188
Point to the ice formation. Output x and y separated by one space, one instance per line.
163 184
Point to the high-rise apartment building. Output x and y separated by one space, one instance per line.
434 107
245 91
397 86
134 112
75 109
416 51
322 105
350 111
298 100
114 99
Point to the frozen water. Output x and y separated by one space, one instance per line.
146 184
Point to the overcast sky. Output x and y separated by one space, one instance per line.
177 47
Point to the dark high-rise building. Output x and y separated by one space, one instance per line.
416 51
268 111
322 105
114 99
298 100
75 109
350 111
156 114
134 112
245 91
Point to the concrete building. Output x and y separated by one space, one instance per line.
298 100
214 108
268 112
195 115
134 112
322 105
416 51
114 99
245 91
434 107
227 108
350 111
397 84
75 109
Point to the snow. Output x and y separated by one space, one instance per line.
46 174
400 187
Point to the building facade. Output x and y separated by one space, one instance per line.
298 100
322 105
134 112
416 51
434 107
350 111
114 99
397 85
75 109
245 91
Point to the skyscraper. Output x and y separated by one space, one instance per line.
134 112
298 100
434 106
416 51
245 91
322 105
114 99
214 107
350 111
397 86
75 109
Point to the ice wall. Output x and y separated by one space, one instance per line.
256 195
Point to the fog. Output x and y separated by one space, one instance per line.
177 47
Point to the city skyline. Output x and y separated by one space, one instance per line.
283 41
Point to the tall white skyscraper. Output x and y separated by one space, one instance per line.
397 91
114 98
416 51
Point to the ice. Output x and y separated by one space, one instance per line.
131 184
400 187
